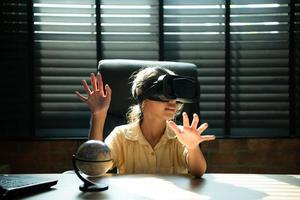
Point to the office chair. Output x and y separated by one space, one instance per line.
116 73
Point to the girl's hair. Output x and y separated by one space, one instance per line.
139 78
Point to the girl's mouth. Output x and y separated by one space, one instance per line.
171 109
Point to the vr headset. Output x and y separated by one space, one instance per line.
169 87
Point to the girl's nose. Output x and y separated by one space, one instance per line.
172 101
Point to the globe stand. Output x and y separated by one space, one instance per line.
88 186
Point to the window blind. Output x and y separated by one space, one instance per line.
297 65
15 51
65 44
259 67
194 32
65 53
129 29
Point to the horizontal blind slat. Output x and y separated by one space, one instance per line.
69 2
242 2
129 3
65 10
66 37
65 28
59 18
65 45
63 54
70 63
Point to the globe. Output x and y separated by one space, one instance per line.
93 158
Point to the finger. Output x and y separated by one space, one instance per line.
195 121
208 137
100 84
185 119
107 91
174 127
93 81
202 128
82 98
86 87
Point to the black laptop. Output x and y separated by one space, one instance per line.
16 185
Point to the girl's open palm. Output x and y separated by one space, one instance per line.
190 135
97 100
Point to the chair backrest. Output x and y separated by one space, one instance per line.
116 73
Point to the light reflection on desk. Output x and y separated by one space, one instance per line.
273 186
156 188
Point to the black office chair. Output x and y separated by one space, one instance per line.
116 73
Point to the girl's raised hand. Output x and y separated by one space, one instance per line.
98 100
189 135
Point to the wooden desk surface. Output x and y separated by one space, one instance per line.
210 186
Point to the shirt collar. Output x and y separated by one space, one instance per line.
134 133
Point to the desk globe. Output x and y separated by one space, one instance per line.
93 158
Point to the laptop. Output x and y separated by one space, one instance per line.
16 185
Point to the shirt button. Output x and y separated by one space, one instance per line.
152 153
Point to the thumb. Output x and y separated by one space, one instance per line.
174 127
107 91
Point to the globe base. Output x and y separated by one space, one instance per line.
93 188
88 186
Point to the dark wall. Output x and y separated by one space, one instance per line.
223 155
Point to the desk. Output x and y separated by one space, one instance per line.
210 186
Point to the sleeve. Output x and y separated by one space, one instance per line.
182 155
114 143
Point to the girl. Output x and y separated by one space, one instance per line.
151 142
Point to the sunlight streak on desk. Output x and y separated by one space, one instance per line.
286 189
156 188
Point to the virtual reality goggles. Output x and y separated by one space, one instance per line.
170 87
